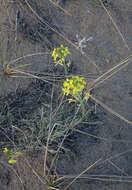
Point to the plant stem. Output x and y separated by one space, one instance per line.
65 68
82 107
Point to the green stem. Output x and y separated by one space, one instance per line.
65 68
81 101
82 107
95 3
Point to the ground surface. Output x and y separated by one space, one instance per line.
21 96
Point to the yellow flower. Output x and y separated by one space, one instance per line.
62 46
74 86
11 161
18 153
59 54
66 91
71 100
11 155
5 150
87 96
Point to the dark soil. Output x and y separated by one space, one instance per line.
21 97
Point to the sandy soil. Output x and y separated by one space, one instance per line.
22 96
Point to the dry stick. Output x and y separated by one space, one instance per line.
111 111
101 138
119 169
117 155
108 159
110 180
29 55
58 6
47 148
32 76
18 178
87 76
84 171
109 76
58 77
49 134
58 33
117 28
46 79
114 178
120 66
43 181
85 176
124 62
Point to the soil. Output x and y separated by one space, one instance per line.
23 95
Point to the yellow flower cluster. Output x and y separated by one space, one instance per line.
74 86
11 155
87 96
59 54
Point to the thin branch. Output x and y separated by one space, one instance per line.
50 130
111 111
117 28
84 171
111 72
58 6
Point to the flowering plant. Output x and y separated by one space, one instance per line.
59 56
74 87
11 155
